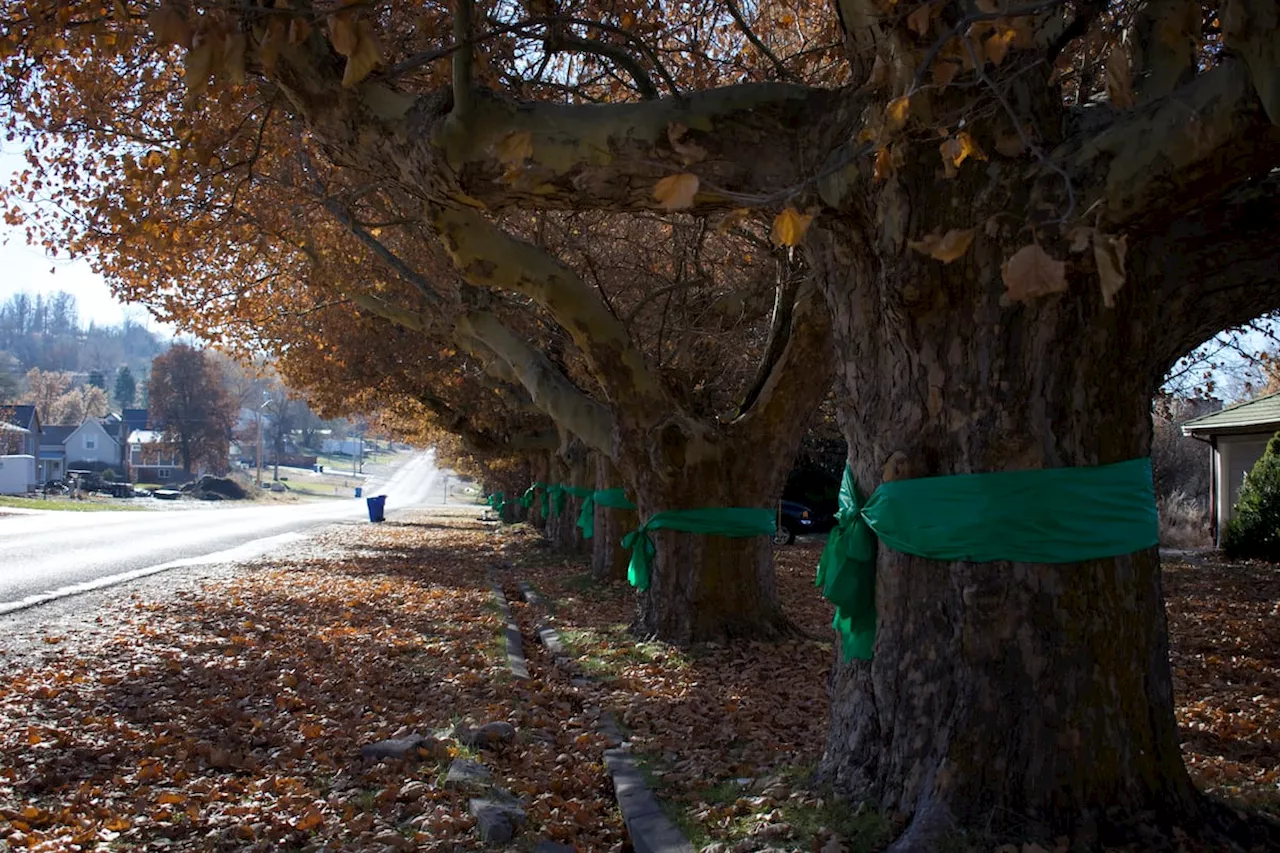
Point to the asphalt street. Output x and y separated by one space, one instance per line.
48 555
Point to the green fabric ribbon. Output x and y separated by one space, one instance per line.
609 498
526 500
1051 515
497 502
734 522
556 493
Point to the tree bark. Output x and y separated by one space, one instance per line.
1025 697
608 559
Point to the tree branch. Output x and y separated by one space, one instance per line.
1170 154
800 379
489 257
551 390
463 59
560 40
781 69
784 303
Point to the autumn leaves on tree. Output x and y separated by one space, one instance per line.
657 231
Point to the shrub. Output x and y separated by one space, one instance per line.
1254 529
1184 522
109 475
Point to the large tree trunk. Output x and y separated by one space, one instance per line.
608 559
1025 697
703 587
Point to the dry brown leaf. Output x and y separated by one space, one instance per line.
368 56
198 65
789 227
343 34
233 57
1081 237
1031 273
959 148
676 192
299 29
272 41
896 113
119 11
170 27
945 247
884 164
1119 78
945 69
879 77
918 21
996 45
1109 254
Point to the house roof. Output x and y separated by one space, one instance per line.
134 419
8 427
56 434
1261 415
20 416
146 436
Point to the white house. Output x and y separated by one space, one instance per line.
152 459
91 446
1238 436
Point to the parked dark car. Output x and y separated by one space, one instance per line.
795 519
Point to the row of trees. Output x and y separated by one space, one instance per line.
631 244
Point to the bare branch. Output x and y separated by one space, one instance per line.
736 13
463 59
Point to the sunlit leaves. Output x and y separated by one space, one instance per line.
514 148
676 192
789 227
1031 273
958 148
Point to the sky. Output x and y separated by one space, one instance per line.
28 268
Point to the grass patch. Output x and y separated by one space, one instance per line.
611 650
67 505
784 814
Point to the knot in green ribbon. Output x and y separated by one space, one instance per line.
556 493
1049 515
733 522
497 502
526 500
609 498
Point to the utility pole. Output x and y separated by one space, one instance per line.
258 412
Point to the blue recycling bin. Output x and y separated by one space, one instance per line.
359 491
377 507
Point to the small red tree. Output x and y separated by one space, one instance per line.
188 401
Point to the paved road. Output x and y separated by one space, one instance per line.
49 554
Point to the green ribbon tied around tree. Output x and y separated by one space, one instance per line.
1051 515
611 498
497 502
556 493
526 500
734 522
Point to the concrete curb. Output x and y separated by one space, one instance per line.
515 646
648 827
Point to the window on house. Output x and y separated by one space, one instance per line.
90 442
162 473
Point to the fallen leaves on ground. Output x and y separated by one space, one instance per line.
1224 626
233 719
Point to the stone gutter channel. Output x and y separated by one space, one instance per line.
648 827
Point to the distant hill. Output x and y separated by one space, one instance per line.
45 332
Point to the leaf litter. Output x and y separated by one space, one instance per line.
232 719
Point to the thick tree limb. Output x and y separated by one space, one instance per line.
1173 153
784 303
551 390
489 257
800 378
463 59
